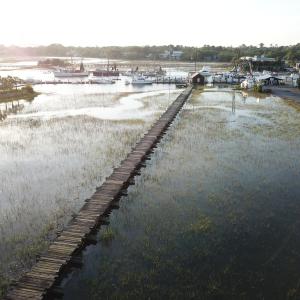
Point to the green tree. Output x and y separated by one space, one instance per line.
28 89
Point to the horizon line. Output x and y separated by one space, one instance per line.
153 45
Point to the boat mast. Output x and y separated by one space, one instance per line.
81 65
195 60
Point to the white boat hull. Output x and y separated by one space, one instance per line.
140 82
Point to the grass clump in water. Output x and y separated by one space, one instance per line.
4 282
203 225
107 236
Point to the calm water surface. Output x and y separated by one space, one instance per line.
215 215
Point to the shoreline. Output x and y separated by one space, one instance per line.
17 95
292 94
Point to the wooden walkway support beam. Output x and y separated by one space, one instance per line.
37 283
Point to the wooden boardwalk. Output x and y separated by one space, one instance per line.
37 283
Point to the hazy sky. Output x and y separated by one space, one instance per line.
153 22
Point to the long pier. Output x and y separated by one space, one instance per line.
40 281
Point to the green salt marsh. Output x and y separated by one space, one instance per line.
215 213
55 151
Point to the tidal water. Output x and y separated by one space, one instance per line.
55 151
214 215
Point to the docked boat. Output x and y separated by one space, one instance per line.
71 72
155 73
106 73
181 85
141 80
205 71
110 71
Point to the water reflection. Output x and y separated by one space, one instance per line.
11 107
233 103
244 95
128 107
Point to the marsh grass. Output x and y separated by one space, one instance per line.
210 215
107 236
50 165
15 95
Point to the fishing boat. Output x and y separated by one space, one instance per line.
113 72
106 73
141 80
155 73
71 72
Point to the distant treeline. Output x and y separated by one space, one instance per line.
49 62
205 53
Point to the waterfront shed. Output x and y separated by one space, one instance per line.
197 78
269 80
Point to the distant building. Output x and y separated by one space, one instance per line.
269 80
295 78
263 80
197 78
260 64
176 54
171 54
164 55
258 58
210 58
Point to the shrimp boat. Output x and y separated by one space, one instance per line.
71 72
106 73
109 72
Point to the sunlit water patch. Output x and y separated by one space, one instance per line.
128 107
